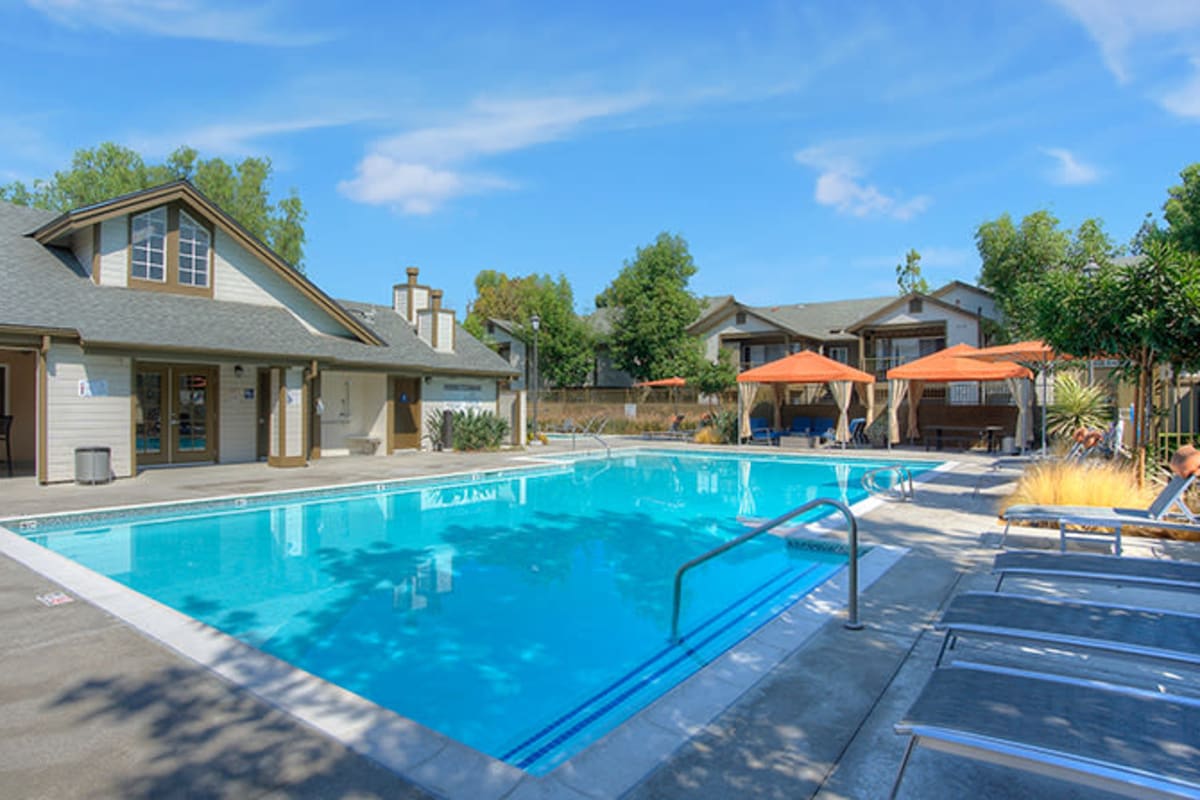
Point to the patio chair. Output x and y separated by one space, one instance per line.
761 431
1105 737
6 421
1125 630
858 432
1169 502
1153 573
801 426
674 431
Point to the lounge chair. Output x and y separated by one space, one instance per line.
801 426
1126 630
1117 739
674 431
858 432
1163 513
1151 573
761 431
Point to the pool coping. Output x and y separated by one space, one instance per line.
434 762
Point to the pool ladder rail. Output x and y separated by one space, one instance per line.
852 622
901 489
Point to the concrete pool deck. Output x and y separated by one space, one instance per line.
89 707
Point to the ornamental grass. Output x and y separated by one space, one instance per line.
1074 483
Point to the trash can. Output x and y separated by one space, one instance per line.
1008 444
93 465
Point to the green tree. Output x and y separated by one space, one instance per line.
654 307
908 275
1181 212
242 190
715 377
1144 313
1015 259
565 349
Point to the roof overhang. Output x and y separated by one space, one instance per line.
57 231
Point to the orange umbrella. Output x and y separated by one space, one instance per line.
957 363
671 382
804 367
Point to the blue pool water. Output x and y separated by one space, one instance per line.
523 614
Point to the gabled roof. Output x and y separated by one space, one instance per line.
46 291
899 302
954 364
956 284
59 229
823 321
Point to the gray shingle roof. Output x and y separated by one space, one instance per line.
46 288
820 321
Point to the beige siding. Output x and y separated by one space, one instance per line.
445 323
103 419
114 256
237 414
240 277
970 301
727 325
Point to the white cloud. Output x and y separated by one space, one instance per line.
240 23
239 137
840 185
1185 101
1069 170
1117 25
418 171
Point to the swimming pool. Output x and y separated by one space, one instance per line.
524 614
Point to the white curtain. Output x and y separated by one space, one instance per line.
841 397
1019 388
746 394
896 391
915 390
866 396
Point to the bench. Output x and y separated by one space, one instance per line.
936 436
366 444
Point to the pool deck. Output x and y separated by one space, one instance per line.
90 707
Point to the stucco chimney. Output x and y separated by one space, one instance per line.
412 273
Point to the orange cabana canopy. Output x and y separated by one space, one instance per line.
805 367
670 382
954 364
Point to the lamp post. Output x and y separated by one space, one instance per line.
535 322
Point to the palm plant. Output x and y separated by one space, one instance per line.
1076 405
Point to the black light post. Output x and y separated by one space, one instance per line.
535 322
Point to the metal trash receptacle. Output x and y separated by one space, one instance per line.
93 465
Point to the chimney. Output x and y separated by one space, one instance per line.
435 325
409 298
435 299
412 273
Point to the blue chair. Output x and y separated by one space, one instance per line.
801 426
858 432
761 431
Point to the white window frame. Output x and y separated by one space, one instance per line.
148 246
199 265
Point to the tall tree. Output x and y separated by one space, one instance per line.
565 351
1013 258
242 190
908 275
1143 313
654 307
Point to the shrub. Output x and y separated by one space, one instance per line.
470 430
1076 405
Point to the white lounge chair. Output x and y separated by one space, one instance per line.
1168 511
1116 739
1120 629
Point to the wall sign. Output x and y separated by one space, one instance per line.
97 388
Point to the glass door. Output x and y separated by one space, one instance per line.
150 413
175 414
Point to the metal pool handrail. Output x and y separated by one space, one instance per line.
903 474
852 615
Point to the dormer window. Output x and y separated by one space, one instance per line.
148 237
193 252
170 250
916 305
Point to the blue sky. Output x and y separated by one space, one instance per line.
800 148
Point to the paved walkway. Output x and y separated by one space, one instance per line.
90 708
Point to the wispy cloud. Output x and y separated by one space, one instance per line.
419 170
840 184
1185 100
240 137
1069 170
235 22
1116 25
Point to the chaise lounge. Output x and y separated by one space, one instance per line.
1110 738
1151 573
1164 513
